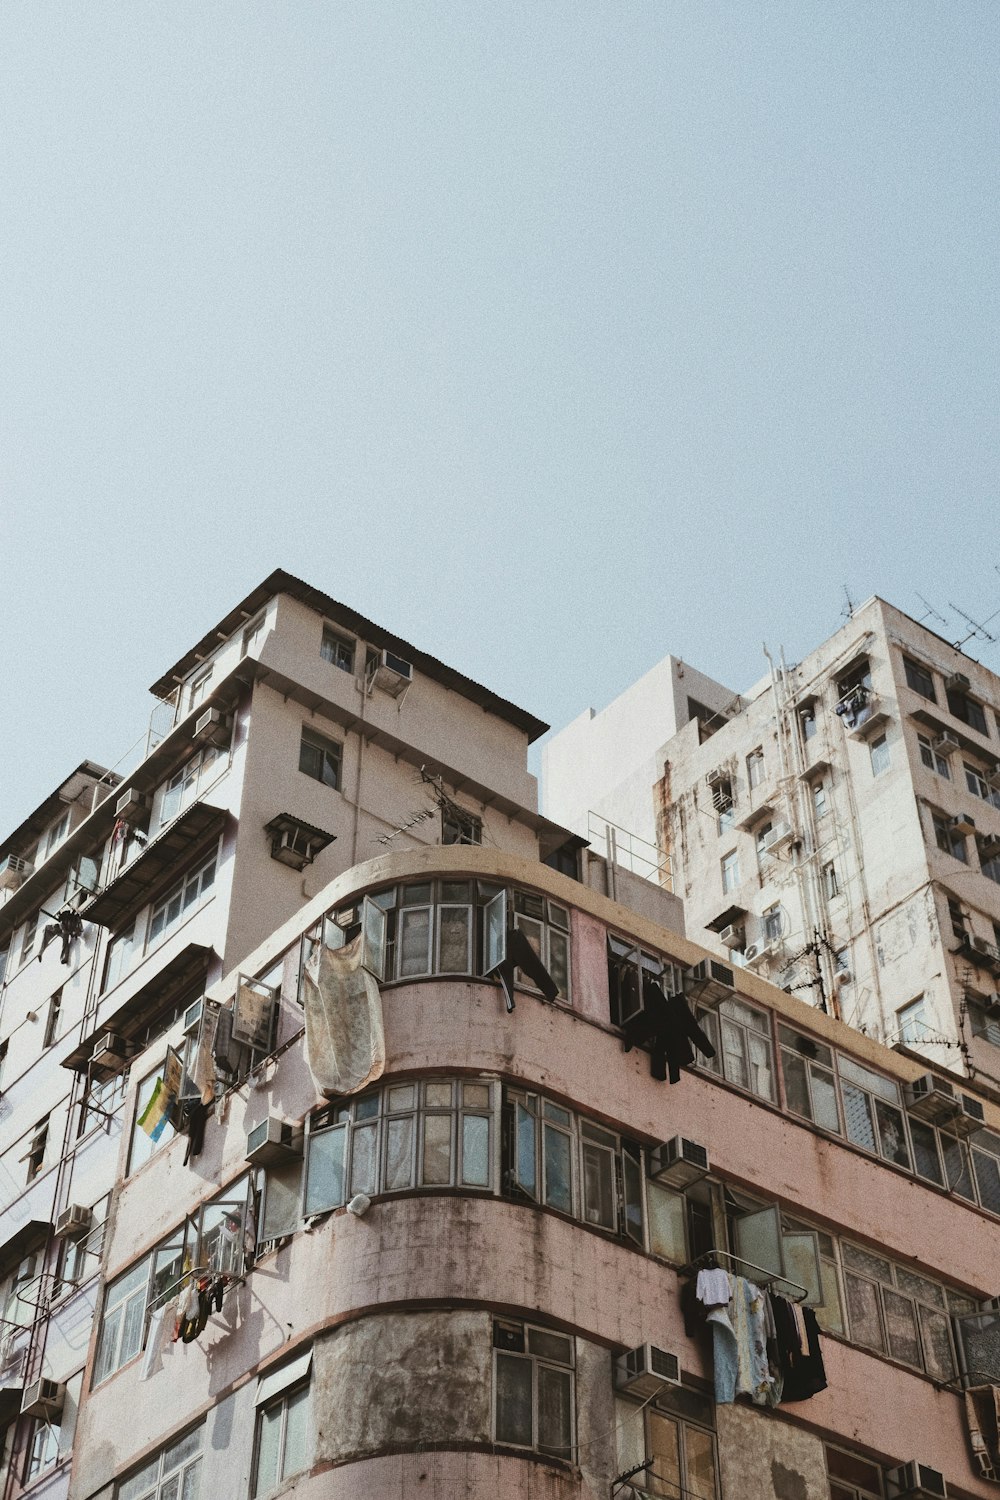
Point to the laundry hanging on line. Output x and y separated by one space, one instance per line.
763 1345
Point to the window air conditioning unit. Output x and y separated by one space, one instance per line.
678 1163
915 1481
959 681
111 1053
930 1098
213 728
43 1398
779 836
646 1371
970 1117
72 1222
946 744
270 1143
131 804
733 936
14 870
962 823
717 776
391 673
709 983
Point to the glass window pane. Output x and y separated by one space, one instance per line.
185 1448
863 1311
402 1097
476 1150
866 1079
192 1477
134 1327
666 1222
760 1064
414 941
699 1450
664 1448
476 1095
399 1153
872 1266
987 1180
796 1085
364 1159
325 1170
437 1150
920 1287
555 1412
734 1057
296 1454
824 1092
437 1095
858 1117
169 1488
456 940
553 1346
925 1152
140 1482
525 1150
891 1134
598 1187
956 1161
268 1440
513 1400
829 1314
558 1184
559 960
938 1358
632 1195
901 1326
800 1250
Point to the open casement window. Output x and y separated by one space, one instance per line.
783 1255
977 1337
254 1014
373 938
495 923
545 924
628 967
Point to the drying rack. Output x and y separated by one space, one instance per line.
762 1277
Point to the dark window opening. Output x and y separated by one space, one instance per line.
919 679
967 710
460 827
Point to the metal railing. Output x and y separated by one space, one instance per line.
629 851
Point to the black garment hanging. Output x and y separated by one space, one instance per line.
666 1022
197 1116
521 955
802 1369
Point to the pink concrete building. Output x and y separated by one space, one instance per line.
473 1274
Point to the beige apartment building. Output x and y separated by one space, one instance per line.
365 1133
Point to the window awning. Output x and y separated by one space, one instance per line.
732 915
129 891
269 1386
10 1401
187 967
21 1239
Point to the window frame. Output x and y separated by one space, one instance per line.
660 1411
166 1476
932 758
919 678
729 865
880 755
331 762
504 1327
711 1020
282 1401
334 644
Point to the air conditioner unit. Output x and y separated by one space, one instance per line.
131 804
970 1116
14 870
842 977
72 1222
391 673
989 846
110 1054
270 1143
733 936
777 838
981 945
679 1162
717 776
946 744
963 823
931 1098
759 953
915 1481
43 1398
213 728
645 1371
294 847
709 983
959 681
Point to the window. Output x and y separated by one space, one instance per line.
722 802
35 1154
854 693
80 1258
122 952
320 758
760 836
433 1133
181 789
730 871
989 858
896 1312
533 1395
967 710
460 827
959 922
807 720
145 1145
283 1441
54 836
879 752
558 1158
4 956
337 649
912 1020
52 1019
932 758
744 1055
174 1474
546 926
976 781
199 688
948 837
919 679
820 807
726 819
852 1478
872 1117
810 1082
773 924
28 934
252 635
984 1018
682 1453
182 898
43 1449
831 885
755 767
629 967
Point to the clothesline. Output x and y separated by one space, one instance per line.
763 1277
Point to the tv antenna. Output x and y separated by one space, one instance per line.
977 628
849 605
931 612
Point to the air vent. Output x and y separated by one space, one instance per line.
915 1481
270 1143
678 1162
44 1398
646 1370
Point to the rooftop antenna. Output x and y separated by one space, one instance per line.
849 605
977 628
931 613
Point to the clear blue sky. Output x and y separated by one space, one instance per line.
553 336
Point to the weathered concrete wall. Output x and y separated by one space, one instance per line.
401 1381
768 1460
